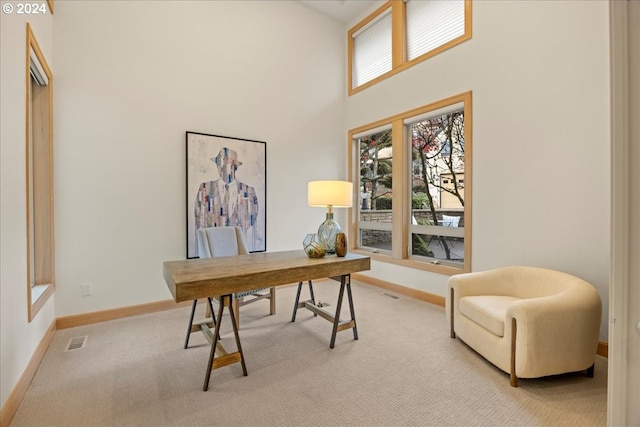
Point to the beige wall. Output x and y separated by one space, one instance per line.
134 76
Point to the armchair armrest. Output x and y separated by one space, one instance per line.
555 332
490 282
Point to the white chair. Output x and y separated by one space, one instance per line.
450 221
530 322
228 241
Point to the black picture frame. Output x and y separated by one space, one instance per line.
238 197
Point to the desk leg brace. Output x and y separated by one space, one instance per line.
225 358
338 325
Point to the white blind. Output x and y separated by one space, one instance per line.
435 113
37 71
372 131
432 23
372 50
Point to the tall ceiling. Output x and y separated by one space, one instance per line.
345 11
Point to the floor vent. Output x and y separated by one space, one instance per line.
390 296
76 343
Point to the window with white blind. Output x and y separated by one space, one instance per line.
431 24
402 33
373 44
413 174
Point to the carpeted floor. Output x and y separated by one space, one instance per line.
403 371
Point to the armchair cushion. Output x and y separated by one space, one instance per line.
487 310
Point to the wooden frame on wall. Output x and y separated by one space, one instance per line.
39 177
226 186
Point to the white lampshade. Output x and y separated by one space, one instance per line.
338 194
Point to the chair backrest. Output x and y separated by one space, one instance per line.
220 241
450 221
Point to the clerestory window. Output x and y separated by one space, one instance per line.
402 33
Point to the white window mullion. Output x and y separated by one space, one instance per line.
437 230
369 225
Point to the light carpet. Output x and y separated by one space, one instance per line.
403 371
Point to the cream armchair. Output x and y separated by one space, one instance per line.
529 322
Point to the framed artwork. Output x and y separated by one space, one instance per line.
226 185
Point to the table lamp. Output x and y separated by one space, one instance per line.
332 194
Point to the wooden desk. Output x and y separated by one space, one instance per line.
223 276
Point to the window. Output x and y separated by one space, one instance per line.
437 208
373 44
431 24
39 151
375 187
402 33
413 172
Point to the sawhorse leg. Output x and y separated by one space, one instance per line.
345 282
299 304
223 358
191 327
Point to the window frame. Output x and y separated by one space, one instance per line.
402 171
399 60
369 32
39 185
371 225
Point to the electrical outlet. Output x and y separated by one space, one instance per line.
86 289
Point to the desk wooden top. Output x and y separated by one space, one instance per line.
207 277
